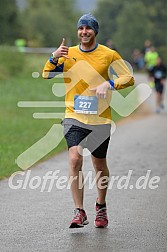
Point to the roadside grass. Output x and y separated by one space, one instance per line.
19 130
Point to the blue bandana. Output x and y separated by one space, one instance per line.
88 20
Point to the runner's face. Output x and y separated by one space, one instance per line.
86 35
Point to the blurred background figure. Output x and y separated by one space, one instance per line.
158 73
147 46
150 59
138 59
109 44
20 43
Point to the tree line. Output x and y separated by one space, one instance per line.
44 22
130 22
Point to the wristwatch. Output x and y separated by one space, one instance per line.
55 60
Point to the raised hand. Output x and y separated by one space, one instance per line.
62 51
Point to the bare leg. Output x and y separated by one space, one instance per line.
100 166
76 176
158 99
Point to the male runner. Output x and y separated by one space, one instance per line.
87 121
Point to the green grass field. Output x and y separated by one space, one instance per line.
19 130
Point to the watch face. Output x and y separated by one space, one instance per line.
53 57
55 60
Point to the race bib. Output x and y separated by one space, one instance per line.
85 104
158 74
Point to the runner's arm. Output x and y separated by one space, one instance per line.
124 77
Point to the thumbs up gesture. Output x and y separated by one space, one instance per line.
62 51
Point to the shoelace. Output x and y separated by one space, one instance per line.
101 213
77 214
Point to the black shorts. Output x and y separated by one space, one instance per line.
94 138
159 87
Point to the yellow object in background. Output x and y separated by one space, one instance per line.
151 84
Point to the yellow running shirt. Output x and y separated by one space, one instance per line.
83 71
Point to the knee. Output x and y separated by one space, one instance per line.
101 168
76 162
100 165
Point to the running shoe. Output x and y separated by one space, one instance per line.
162 106
101 220
79 219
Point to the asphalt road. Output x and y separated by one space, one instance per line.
38 220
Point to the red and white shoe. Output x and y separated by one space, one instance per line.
101 220
79 220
